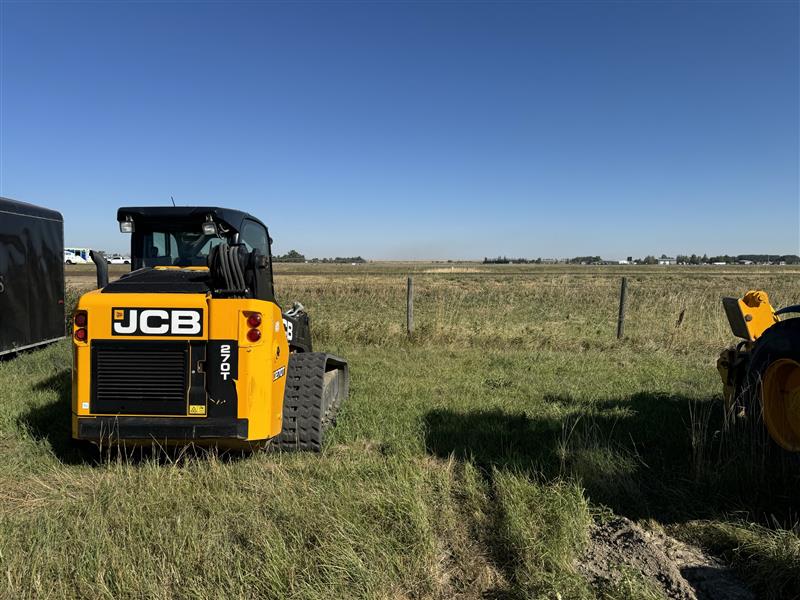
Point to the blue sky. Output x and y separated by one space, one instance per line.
414 130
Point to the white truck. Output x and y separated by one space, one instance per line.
71 258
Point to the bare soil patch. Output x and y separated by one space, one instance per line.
680 571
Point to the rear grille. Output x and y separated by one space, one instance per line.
139 378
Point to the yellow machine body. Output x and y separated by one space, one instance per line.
191 345
256 383
749 317
761 376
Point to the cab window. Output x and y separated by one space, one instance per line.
175 248
253 236
160 248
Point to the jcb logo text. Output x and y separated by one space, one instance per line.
157 321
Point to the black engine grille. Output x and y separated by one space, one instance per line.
139 378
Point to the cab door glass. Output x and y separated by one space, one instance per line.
255 236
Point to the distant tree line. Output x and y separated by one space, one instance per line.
293 256
586 260
290 256
763 259
339 259
504 260
681 259
578 260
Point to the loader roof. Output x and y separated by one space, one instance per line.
15 207
234 218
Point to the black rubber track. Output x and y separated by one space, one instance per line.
305 416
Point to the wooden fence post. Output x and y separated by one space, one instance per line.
623 295
410 307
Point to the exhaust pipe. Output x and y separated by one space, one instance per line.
102 268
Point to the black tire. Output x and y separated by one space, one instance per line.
316 385
780 341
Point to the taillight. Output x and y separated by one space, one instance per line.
254 322
81 321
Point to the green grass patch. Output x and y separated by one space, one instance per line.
466 464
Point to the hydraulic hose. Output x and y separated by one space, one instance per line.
237 265
226 266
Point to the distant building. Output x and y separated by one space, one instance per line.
623 262
666 260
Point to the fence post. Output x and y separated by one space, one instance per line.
623 294
410 307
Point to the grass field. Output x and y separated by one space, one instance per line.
469 462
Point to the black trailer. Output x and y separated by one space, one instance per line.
31 275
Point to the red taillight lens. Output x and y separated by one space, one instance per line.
254 320
254 335
80 335
81 319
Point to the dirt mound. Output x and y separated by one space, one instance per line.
681 571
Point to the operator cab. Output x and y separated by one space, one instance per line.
193 249
177 236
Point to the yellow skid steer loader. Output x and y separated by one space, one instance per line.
191 345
